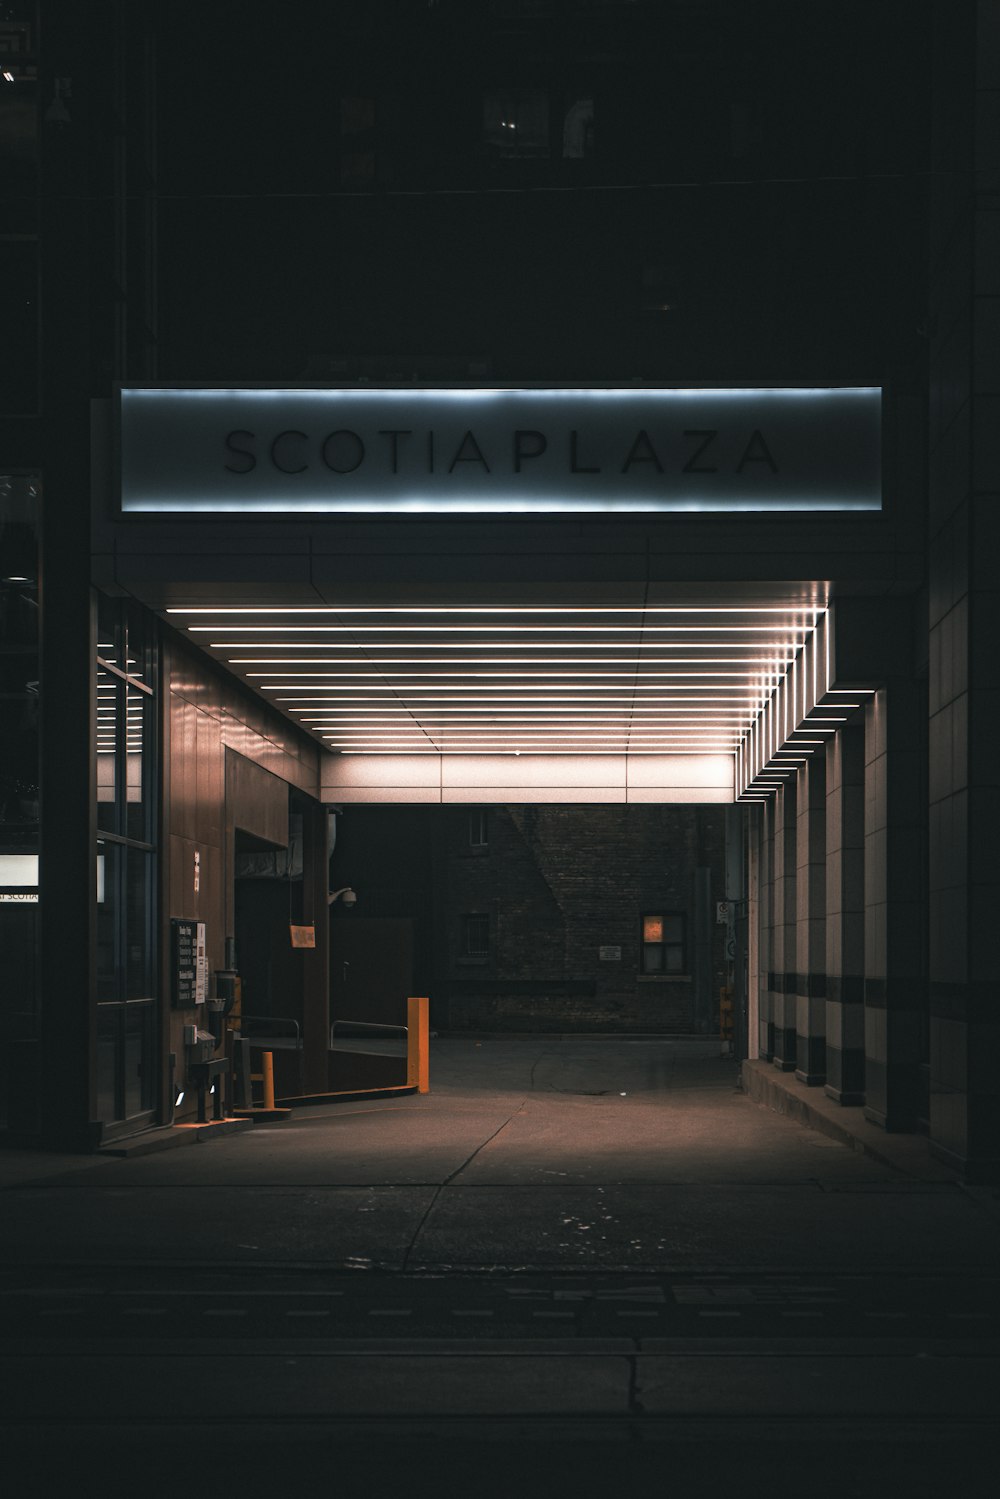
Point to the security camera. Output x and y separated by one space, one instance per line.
345 893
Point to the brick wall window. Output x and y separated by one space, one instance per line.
479 828
663 942
476 936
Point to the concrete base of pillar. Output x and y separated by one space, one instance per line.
843 1095
782 1065
902 1124
985 1173
811 1079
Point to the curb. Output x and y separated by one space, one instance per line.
784 1094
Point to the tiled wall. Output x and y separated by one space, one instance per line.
964 545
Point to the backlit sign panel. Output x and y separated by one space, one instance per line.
406 451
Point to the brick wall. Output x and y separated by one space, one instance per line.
555 885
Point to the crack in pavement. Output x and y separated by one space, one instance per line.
450 1178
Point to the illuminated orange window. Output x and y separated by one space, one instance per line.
663 943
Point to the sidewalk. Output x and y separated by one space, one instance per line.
782 1092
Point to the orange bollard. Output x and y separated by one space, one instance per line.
418 1046
267 1077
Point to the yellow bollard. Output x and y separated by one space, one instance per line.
418 1047
267 1077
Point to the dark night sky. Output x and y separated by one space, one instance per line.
269 259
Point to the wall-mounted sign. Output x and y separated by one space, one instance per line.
189 966
533 451
609 954
303 936
18 879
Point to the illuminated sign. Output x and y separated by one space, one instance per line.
18 879
506 451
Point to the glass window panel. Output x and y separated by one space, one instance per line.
19 684
516 122
652 958
18 943
136 765
652 929
673 929
138 925
110 701
138 641
675 959
108 1017
138 1059
109 857
477 935
18 137
19 321
109 630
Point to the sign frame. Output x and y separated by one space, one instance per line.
188 453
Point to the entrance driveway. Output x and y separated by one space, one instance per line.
577 1264
547 1153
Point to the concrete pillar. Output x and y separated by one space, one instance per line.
762 891
71 347
894 956
783 951
964 543
316 961
810 924
845 915
755 963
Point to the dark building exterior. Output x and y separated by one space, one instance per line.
594 197
532 918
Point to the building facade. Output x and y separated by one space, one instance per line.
594 199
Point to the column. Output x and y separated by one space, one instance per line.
894 949
316 961
845 915
71 348
810 924
963 546
783 950
761 895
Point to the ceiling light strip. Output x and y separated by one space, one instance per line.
642 610
357 630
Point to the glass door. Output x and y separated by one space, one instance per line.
127 991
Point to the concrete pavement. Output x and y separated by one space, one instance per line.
543 1153
578 1263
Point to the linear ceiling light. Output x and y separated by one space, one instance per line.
370 750
520 645
501 629
505 676
639 609
477 660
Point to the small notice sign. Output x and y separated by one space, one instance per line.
609 954
303 936
190 968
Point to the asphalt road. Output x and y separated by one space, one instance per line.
576 1262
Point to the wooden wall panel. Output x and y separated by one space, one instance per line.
256 799
181 767
229 760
